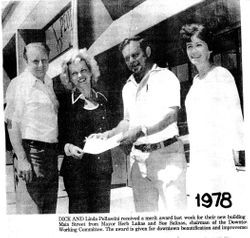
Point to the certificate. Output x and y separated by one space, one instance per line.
96 145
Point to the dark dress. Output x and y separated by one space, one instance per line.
87 180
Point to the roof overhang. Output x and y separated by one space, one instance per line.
142 17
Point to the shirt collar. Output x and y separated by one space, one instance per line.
154 68
33 79
76 95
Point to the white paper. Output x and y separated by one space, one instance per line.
96 146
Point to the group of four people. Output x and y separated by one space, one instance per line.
151 100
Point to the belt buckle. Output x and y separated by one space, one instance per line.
159 145
146 147
156 146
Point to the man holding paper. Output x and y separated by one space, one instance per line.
151 100
87 177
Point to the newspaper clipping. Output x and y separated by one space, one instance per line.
125 117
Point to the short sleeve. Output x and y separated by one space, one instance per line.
166 89
14 101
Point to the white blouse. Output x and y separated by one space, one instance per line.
214 119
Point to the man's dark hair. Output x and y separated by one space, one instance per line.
144 43
35 44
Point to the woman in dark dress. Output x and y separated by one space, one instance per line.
87 177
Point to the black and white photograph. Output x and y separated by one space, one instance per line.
125 117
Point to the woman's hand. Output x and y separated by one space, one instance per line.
74 151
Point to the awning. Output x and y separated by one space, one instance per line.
144 16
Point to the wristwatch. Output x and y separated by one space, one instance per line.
144 130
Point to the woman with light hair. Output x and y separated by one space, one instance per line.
87 177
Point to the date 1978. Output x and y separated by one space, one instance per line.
217 199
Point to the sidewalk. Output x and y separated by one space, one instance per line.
121 198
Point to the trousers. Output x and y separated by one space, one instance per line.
40 195
164 187
87 192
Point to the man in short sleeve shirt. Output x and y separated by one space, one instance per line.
151 100
31 115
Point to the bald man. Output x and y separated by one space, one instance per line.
31 116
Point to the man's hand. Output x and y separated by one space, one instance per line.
102 136
130 136
24 169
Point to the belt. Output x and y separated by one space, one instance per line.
41 144
156 146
